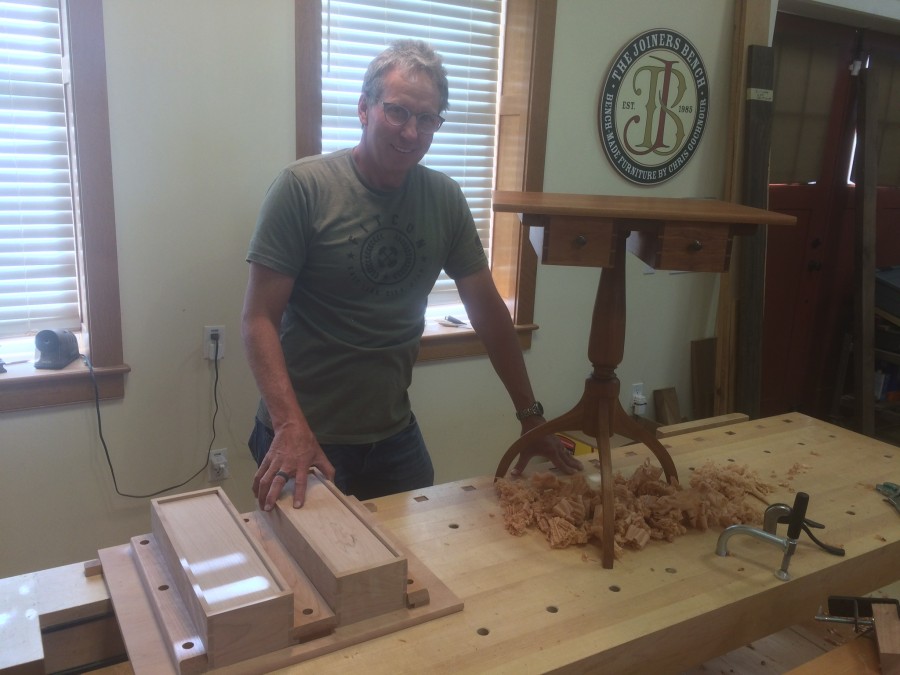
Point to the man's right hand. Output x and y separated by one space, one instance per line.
291 455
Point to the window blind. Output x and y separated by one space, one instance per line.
38 271
466 33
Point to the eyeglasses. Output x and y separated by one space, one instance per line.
397 115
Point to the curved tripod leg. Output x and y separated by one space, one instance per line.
565 422
626 426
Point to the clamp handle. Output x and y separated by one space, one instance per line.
798 515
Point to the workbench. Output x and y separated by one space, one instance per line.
530 609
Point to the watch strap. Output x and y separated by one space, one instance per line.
533 410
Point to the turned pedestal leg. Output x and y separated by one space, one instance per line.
599 412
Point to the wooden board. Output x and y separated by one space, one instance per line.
887 630
694 426
666 403
356 569
186 647
703 378
857 657
49 600
238 602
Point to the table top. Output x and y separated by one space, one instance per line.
638 208
529 608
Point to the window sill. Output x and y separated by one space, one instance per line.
442 342
24 387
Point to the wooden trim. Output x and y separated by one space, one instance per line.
522 144
543 41
102 331
308 74
95 182
751 262
23 387
751 26
864 256
451 343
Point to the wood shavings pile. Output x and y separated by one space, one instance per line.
570 512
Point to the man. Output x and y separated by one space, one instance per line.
346 250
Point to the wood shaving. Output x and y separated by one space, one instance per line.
569 512
798 468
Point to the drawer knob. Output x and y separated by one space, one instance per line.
580 241
695 245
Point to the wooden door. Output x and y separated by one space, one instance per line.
809 290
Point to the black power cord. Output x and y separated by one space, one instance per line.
112 471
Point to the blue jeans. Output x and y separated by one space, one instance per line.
396 464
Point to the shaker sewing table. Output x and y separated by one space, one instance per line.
595 231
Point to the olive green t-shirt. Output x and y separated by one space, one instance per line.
364 262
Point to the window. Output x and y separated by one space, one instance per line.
467 35
517 155
84 296
38 272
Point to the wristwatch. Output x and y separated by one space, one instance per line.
533 410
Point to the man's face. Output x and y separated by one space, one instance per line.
388 152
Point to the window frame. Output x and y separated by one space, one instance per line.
521 148
23 387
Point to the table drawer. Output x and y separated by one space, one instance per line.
689 247
564 240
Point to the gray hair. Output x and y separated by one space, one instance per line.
408 56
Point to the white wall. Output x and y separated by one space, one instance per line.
201 107
201 112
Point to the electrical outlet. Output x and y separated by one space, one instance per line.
217 469
213 342
637 392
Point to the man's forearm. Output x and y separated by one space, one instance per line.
490 319
505 353
266 360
